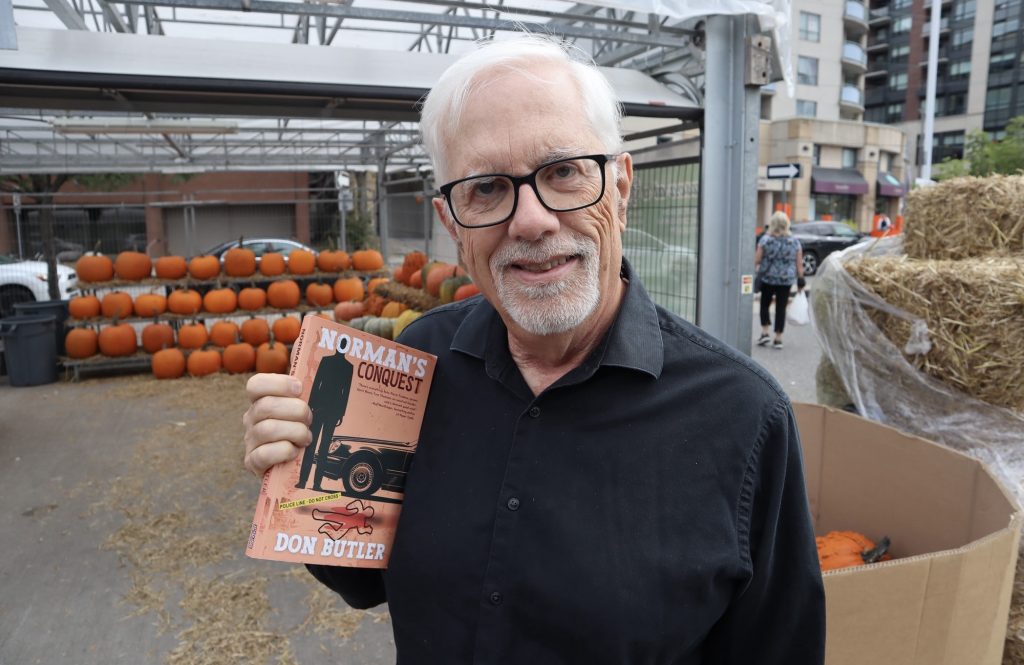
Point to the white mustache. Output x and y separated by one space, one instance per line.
542 251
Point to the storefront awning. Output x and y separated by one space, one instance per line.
838 181
890 185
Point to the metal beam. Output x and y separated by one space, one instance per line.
728 184
306 9
115 20
67 14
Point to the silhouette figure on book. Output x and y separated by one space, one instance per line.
327 399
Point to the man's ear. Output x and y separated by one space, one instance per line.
623 185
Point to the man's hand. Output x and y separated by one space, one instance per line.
277 422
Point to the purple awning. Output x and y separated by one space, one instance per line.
890 185
838 181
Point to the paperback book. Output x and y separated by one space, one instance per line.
338 502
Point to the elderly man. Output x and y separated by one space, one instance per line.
597 481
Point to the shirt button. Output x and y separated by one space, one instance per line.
513 504
534 411
496 598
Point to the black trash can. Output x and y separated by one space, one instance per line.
29 350
55 308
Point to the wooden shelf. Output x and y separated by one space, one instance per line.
168 317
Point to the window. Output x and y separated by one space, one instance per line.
951 104
894 112
884 161
849 158
1007 27
817 155
810 27
901 4
962 37
964 9
807 70
806 108
997 99
898 81
899 53
901 25
960 68
1000 61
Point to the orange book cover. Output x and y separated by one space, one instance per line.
338 502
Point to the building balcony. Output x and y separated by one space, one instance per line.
876 71
879 16
768 89
855 18
851 98
876 45
855 60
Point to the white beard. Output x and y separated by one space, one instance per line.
553 307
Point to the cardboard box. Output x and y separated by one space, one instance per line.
944 599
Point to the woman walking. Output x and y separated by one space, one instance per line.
780 261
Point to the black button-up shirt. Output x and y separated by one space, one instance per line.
648 507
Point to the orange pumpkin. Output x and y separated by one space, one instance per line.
438 274
117 340
349 288
375 304
398 274
319 294
367 259
413 262
843 549
171 267
132 266
220 301
239 261
239 358
346 311
192 336
286 329
252 298
224 333
333 260
150 304
168 364
255 331
393 309
94 268
416 280
466 291
202 362
284 294
84 307
301 262
81 343
184 301
372 285
272 357
157 336
272 264
116 305
204 267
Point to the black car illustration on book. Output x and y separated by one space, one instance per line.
367 465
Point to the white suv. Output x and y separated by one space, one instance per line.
25 281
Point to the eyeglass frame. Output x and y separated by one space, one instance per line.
528 179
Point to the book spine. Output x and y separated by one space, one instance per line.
262 514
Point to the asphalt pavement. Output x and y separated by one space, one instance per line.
794 365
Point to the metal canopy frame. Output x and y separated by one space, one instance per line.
290 108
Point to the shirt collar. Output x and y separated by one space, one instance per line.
634 341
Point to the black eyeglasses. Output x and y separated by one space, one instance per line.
563 185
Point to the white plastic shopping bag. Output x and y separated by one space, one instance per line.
797 312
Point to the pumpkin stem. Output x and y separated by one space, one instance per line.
240 241
877 552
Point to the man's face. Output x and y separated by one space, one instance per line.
544 271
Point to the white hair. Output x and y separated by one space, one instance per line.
442 109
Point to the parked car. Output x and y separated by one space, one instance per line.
25 281
259 246
665 270
819 239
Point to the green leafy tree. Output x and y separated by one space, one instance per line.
986 156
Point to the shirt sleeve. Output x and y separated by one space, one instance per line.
361 588
778 616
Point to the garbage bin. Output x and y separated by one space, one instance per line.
29 350
55 308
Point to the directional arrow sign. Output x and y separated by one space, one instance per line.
783 171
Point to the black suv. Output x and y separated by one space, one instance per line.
819 239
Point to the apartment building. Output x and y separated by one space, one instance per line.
979 73
852 170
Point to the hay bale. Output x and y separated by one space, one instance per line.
975 315
966 217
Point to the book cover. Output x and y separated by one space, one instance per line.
338 502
